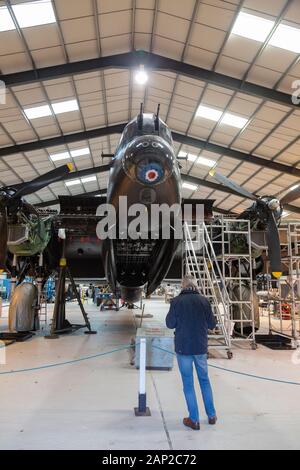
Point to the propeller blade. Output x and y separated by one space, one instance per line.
3 238
231 184
273 241
291 195
44 180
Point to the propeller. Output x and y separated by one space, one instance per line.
44 180
291 195
10 199
231 184
269 210
273 243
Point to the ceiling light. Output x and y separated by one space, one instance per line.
286 37
141 76
34 13
285 214
73 182
252 27
6 22
59 156
189 186
65 106
234 120
38 111
208 113
80 152
88 179
294 187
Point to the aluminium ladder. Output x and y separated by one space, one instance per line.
43 310
201 262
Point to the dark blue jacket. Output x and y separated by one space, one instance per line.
191 315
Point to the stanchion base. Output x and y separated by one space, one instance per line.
90 332
146 315
54 336
142 413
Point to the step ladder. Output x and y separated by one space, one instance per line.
43 309
200 261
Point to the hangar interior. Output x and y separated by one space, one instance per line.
226 77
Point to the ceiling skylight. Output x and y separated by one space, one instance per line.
286 37
65 106
34 13
208 113
199 160
205 161
55 157
252 27
88 179
80 152
45 110
190 186
257 28
189 156
214 115
6 22
38 111
73 182
65 155
234 120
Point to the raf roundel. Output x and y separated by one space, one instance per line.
150 173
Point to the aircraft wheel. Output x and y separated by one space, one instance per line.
253 346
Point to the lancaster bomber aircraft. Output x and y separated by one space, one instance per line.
146 170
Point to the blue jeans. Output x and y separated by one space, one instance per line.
185 364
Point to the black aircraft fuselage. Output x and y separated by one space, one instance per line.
145 171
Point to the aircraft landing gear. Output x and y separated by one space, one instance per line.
60 324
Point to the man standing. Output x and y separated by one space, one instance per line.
191 315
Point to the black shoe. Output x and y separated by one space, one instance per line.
212 420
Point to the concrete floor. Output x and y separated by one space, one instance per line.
89 404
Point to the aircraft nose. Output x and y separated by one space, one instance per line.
148 160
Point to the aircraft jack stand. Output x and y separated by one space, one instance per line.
132 306
60 324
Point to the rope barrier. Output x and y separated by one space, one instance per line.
72 361
238 372
130 346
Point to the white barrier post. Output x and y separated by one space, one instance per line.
142 409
